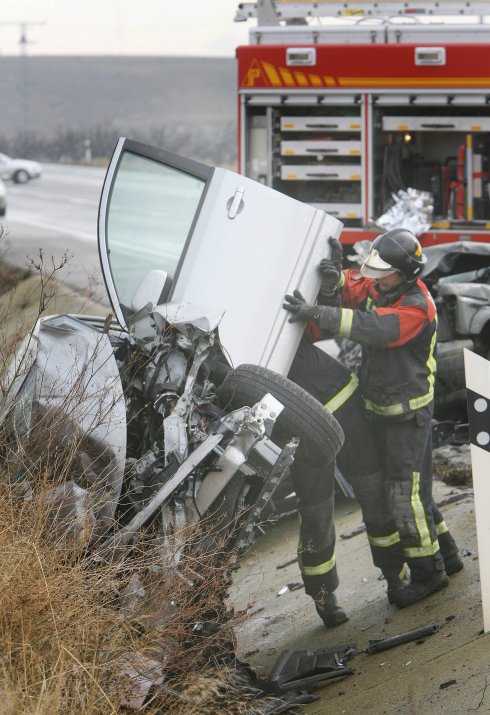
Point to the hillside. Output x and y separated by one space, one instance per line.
50 98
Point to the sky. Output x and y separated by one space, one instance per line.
122 27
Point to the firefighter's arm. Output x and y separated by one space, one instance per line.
388 327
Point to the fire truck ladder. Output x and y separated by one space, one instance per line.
275 12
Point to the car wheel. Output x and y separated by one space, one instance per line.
320 435
21 176
450 391
450 363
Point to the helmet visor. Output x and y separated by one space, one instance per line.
375 267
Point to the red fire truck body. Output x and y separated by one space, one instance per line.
345 116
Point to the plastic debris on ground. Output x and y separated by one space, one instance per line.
381 644
306 669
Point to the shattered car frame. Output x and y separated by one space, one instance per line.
187 253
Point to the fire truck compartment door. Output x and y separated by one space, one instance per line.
322 172
446 123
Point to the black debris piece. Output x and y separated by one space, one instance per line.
376 646
307 669
289 562
295 586
269 699
447 684
452 498
354 532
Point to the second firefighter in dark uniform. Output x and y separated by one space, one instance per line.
391 313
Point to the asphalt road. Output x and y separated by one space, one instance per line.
57 214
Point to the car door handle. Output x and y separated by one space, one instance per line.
235 204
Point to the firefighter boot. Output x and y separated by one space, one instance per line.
449 552
453 564
404 596
395 579
329 610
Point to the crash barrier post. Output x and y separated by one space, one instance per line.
477 371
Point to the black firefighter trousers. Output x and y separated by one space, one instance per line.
387 507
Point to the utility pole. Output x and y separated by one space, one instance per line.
24 72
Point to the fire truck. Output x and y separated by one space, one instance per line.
344 104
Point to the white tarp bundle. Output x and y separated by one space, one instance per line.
412 209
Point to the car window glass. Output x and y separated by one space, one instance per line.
150 213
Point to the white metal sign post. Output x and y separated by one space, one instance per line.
477 371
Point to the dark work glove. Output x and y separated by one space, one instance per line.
331 268
299 308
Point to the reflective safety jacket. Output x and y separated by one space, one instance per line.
397 331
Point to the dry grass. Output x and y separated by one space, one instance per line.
77 634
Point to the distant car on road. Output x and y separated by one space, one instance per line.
18 170
3 199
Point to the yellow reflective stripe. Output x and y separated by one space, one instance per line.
441 528
419 513
346 317
384 409
320 569
431 362
415 553
343 394
417 402
404 572
423 400
341 280
383 542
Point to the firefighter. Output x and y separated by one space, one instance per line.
390 312
337 388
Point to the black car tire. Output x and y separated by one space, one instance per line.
320 435
450 391
21 176
450 363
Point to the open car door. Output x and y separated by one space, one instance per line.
225 242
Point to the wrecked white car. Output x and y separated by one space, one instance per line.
458 276
196 262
